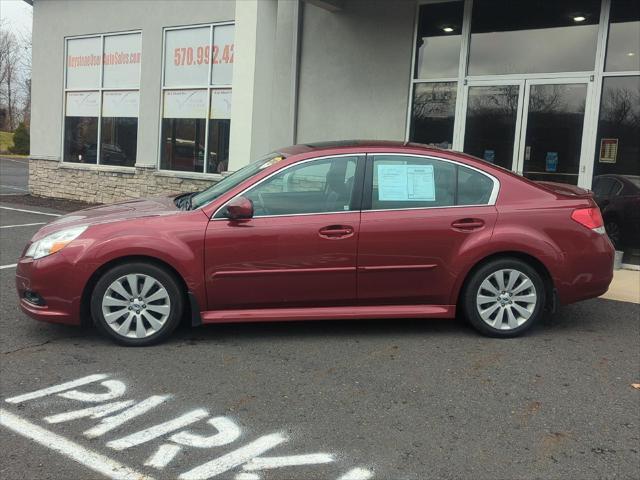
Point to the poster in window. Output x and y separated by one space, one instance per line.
551 162
187 56
406 183
608 150
121 103
83 62
185 104
220 104
222 55
122 57
82 104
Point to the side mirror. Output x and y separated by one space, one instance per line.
239 208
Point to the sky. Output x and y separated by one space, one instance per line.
16 15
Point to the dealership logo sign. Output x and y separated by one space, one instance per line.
112 411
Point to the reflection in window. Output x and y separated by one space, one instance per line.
433 113
617 163
80 139
623 45
319 186
182 144
554 132
620 123
438 40
536 36
219 134
491 123
119 141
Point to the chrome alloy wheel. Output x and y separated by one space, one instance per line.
136 305
506 299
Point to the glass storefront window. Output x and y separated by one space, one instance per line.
553 139
438 40
616 168
118 58
490 129
433 113
533 36
198 70
623 45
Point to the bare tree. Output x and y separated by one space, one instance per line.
9 74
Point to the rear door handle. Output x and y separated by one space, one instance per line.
468 224
336 231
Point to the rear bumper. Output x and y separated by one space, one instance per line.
58 282
588 272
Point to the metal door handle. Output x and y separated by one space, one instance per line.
468 224
336 231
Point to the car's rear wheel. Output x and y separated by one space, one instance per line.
504 298
137 304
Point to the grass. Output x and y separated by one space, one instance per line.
6 141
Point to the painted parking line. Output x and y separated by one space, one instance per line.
90 459
96 394
31 211
23 225
13 265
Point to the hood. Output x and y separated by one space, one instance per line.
148 207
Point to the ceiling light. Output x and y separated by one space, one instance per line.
579 18
448 29
630 54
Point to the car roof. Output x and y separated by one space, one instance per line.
354 144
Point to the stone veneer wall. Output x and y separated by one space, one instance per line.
106 184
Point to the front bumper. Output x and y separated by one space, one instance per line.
58 281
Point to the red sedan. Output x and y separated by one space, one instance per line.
329 231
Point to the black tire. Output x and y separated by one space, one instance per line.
472 290
614 232
164 278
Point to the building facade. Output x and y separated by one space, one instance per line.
137 98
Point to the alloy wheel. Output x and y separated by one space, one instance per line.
136 305
506 299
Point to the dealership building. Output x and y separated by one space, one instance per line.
135 98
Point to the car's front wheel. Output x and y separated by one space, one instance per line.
137 304
504 298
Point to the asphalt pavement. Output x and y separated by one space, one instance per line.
396 400
14 176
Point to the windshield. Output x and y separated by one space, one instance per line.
236 178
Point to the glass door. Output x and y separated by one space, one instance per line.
553 122
492 121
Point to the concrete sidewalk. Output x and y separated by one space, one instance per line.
625 286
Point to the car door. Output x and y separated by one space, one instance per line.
299 249
420 217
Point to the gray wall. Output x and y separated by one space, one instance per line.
355 71
55 19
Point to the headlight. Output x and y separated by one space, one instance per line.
54 242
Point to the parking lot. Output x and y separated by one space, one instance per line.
348 400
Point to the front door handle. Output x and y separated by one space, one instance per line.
336 231
468 224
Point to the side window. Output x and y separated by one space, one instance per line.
602 187
474 188
319 186
415 182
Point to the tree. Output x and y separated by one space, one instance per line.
21 140
14 61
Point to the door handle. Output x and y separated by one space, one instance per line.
468 224
336 231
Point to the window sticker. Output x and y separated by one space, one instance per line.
608 150
406 183
551 162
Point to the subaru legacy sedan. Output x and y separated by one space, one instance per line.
343 230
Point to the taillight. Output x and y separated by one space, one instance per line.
590 218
